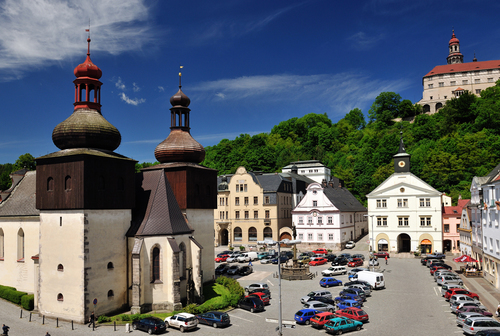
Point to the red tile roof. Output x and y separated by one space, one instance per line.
456 210
463 67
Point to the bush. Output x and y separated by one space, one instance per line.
28 302
242 248
103 319
192 308
125 317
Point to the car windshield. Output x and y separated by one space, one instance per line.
299 313
311 294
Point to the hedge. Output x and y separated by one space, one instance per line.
28 301
19 298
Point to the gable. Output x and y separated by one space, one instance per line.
413 186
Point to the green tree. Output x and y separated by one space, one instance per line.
385 108
356 119
25 161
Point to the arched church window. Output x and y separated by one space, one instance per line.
155 265
110 294
67 183
50 184
110 265
60 268
20 245
60 297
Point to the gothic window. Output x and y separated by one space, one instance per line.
60 268
110 265
182 261
67 183
156 265
20 245
252 234
238 234
50 184
110 294
60 297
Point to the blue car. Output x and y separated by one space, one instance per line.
353 291
283 260
304 316
348 297
348 304
215 319
339 325
327 282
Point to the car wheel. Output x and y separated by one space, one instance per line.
358 328
308 322
214 325
134 326
167 325
181 329
251 310
327 286
150 331
340 284
339 332
331 310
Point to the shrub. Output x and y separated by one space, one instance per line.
192 308
125 317
103 319
28 302
242 248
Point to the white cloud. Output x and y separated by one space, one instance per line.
161 88
362 41
49 31
339 92
119 84
131 101
135 87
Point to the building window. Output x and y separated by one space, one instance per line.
110 265
20 245
156 266
238 234
247 215
110 294
252 234
236 201
402 202
50 184
60 268
381 203
320 220
428 221
237 215
441 84
267 214
490 80
245 188
452 75
309 220
330 236
381 221
425 221
60 297
237 188
465 82
310 236
403 221
315 203
301 236
447 228
301 220
268 233
430 86
478 91
458 227
255 200
425 202
255 214
221 201
246 200
67 183
320 236
314 192
477 80
221 214
452 83
1 244
266 199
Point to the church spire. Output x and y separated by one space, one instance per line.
454 55
401 159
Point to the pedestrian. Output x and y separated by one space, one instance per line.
250 263
497 313
47 334
5 330
386 260
91 319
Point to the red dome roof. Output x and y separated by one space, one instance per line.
87 68
454 39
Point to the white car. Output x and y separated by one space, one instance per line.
256 286
350 244
373 262
182 321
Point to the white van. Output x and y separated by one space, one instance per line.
247 256
334 270
375 279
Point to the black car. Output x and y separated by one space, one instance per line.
245 270
252 304
330 257
345 255
152 325
233 270
221 269
260 290
288 254
340 261
215 319
283 259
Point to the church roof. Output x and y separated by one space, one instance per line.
342 198
22 200
463 67
157 211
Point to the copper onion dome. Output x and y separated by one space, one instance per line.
86 127
179 146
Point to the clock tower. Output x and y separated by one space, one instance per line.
402 159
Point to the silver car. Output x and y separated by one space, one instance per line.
449 279
474 324
364 288
443 272
461 317
233 257
323 293
267 259
321 306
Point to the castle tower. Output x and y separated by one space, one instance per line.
85 193
454 55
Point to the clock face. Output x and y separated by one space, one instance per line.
401 164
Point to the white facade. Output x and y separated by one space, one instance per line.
491 232
405 214
319 223
313 169
465 233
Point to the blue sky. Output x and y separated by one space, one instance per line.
248 64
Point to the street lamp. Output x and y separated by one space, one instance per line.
272 243
372 240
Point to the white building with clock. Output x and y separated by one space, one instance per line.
405 213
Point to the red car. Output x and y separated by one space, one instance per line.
320 251
435 268
381 254
318 321
354 314
318 261
355 262
263 296
455 291
222 258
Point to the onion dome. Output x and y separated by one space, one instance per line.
454 39
179 146
87 68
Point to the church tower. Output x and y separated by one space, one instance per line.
401 159
454 55
85 193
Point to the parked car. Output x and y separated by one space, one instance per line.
221 258
339 325
233 270
463 315
356 282
436 255
350 244
267 259
445 287
364 288
340 261
318 261
318 321
449 279
455 291
348 304
321 306
353 291
304 316
261 255
488 332
355 262
233 257
344 297
221 269
263 296
329 281
433 269
261 290
245 270
471 309
309 253
321 299
354 314
304 260
356 270
330 257
259 285
345 255
247 257
152 325
321 251
381 254
455 308
322 293
214 318
252 304
359 255
182 321
474 324
334 270
282 260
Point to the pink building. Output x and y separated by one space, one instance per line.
451 223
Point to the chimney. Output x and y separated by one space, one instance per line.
323 183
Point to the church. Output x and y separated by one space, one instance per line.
86 232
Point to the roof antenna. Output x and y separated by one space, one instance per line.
180 75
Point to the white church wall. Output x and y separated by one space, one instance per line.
202 221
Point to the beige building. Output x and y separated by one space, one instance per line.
451 80
254 206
